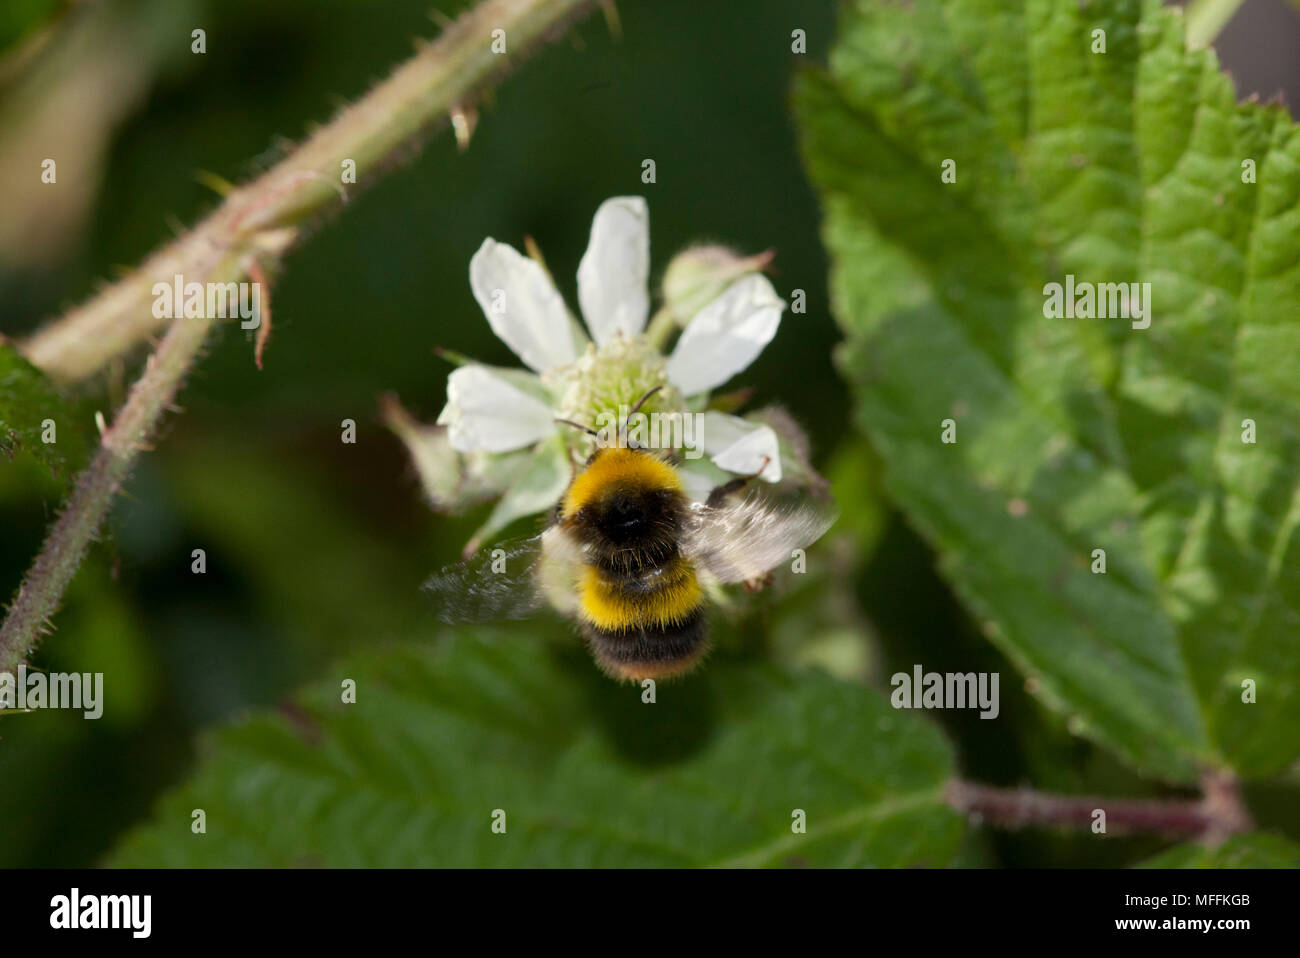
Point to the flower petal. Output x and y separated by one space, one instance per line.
485 412
614 273
538 489
740 446
700 477
726 336
522 305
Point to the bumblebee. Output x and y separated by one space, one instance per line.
628 555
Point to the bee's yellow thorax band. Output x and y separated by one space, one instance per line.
616 466
606 606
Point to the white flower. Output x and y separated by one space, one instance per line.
726 335
494 410
742 447
485 412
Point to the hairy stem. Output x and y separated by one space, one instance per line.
449 73
1214 816
253 226
41 591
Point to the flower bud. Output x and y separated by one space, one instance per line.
700 274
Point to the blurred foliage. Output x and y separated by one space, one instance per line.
316 549
1080 434
63 93
24 20
586 772
1253 850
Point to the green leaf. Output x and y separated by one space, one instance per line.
586 773
1080 434
1252 850
27 402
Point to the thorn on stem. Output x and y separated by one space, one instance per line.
464 120
255 270
217 184
612 22
471 547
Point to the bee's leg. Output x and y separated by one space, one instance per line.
720 493
575 464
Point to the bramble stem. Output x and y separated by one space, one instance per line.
1214 816
380 128
65 545
250 231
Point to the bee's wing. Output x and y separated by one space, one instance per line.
741 539
497 582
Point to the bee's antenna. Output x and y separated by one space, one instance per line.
578 425
622 433
639 403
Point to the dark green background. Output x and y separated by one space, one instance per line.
314 547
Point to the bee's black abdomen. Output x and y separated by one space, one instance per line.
649 652
640 604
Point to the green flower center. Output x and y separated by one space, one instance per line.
604 384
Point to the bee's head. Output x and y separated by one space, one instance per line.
624 515
630 526
625 500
